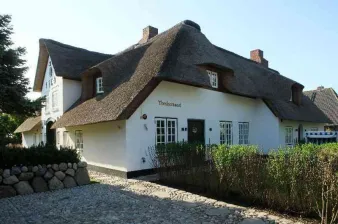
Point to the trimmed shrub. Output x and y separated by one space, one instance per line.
176 159
42 154
301 180
239 168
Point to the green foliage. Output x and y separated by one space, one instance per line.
182 154
35 155
239 167
13 83
8 124
302 179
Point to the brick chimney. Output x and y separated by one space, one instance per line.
257 56
320 88
148 33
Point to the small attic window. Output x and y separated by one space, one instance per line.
99 85
50 69
213 79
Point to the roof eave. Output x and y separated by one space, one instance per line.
41 66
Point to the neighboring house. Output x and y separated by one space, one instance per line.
326 99
169 87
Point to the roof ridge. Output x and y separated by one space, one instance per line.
70 46
256 63
247 59
334 92
135 46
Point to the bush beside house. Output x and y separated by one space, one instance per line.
40 169
301 180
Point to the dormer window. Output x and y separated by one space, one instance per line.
99 85
213 79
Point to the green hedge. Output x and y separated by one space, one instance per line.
301 180
43 154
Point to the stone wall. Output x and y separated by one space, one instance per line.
29 179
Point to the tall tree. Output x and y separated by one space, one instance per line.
13 83
8 124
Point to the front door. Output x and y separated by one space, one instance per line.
196 131
50 134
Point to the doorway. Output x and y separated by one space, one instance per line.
50 133
196 131
300 133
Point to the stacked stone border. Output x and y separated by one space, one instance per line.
29 179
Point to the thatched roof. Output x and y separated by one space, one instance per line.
326 100
68 61
177 55
29 124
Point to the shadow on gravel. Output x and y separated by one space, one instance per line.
102 203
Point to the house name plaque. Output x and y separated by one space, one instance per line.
169 104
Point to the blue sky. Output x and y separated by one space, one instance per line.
299 38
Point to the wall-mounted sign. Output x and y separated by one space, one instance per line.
169 104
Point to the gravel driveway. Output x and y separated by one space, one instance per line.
117 200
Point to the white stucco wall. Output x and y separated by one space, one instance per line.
71 93
197 103
266 127
295 124
104 144
28 137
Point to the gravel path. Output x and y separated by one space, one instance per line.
116 200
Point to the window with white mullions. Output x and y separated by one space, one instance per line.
55 100
78 140
65 139
171 130
47 104
289 135
213 79
160 131
225 132
50 69
99 85
34 139
166 130
58 137
243 128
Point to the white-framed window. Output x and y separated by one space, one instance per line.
65 139
55 100
47 104
58 137
35 139
314 129
50 67
243 128
166 130
289 135
99 85
213 79
225 132
78 139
